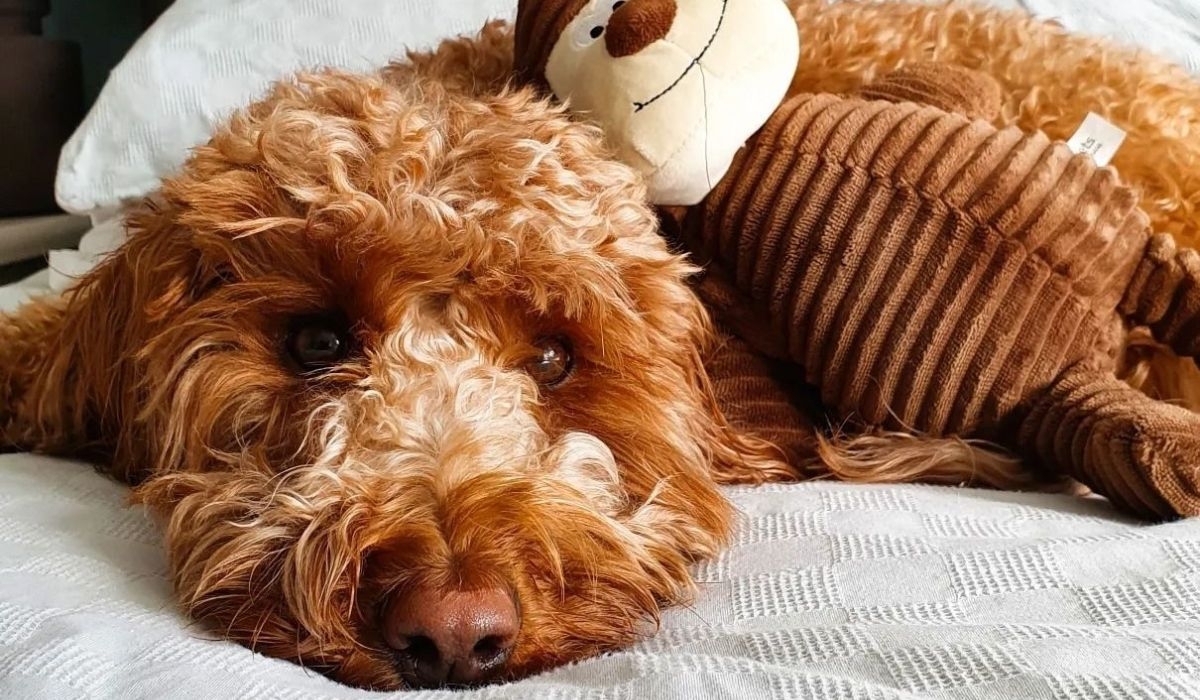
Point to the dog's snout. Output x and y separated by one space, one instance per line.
451 637
637 24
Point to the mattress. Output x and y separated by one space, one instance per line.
830 590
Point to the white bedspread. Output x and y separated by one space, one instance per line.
832 591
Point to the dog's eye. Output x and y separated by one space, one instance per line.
316 342
552 362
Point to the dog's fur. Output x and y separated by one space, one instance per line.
452 222
451 232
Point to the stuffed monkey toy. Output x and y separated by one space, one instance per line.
924 270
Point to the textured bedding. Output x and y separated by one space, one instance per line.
830 591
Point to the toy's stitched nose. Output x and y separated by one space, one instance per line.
451 638
636 24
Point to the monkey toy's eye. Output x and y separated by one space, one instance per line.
591 25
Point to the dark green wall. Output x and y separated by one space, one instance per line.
104 30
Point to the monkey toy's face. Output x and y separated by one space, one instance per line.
677 85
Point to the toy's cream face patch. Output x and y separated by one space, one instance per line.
677 85
694 63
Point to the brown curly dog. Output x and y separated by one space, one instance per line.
416 386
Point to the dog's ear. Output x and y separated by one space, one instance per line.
72 383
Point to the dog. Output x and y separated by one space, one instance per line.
411 378
413 381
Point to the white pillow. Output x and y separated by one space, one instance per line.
205 58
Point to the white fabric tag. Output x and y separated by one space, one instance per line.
1097 137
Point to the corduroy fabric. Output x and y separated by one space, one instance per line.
927 271
1165 295
767 398
932 273
760 391
1140 453
952 88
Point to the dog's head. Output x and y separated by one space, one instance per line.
414 382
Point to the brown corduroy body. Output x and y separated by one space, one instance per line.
905 257
932 273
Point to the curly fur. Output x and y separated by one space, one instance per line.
454 220
453 230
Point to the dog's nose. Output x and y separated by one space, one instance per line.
451 637
636 24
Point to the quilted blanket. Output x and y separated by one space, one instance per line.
831 591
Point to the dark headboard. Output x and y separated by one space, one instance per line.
151 9
54 58
41 101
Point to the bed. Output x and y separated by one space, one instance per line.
830 590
